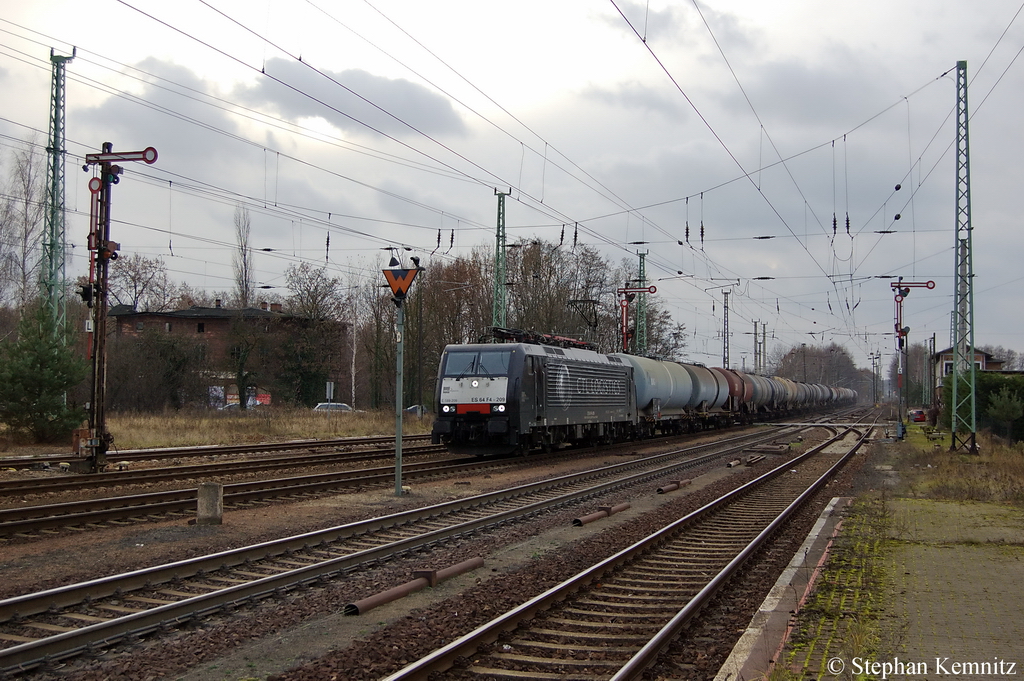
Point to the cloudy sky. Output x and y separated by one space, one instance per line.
393 123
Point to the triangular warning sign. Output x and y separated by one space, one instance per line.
400 281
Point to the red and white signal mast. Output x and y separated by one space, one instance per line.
902 290
628 294
93 445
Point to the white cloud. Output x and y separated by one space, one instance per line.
590 123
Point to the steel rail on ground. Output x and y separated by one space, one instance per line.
28 655
211 450
467 645
150 475
41 517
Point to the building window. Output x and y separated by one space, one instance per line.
200 327
139 326
167 327
947 368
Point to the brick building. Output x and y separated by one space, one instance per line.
943 363
212 327
982 362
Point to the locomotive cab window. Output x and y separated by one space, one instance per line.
482 363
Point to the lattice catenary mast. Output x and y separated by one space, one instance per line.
51 276
641 307
963 410
498 313
725 330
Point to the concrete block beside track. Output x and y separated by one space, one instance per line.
210 510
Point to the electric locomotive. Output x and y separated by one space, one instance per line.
545 391
512 397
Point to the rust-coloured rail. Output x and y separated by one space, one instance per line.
22 462
617 604
303 559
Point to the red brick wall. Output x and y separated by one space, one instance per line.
215 331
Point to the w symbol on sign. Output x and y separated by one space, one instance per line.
400 281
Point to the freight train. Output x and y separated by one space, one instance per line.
495 399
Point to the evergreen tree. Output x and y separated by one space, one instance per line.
36 371
1005 407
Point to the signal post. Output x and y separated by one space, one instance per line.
902 290
96 441
400 280
628 294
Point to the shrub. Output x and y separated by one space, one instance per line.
36 371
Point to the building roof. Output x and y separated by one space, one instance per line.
948 350
197 312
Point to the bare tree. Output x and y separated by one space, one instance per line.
825 364
315 294
1011 359
8 213
313 352
142 283
22 224
377 335
242 259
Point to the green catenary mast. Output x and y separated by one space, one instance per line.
963 410
641 308
498 315
54 240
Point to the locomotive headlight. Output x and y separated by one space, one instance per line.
475 384
446 408
499 408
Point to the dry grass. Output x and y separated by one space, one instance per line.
142 431
135 431
265 424
995 475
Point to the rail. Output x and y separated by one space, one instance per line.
530 500
469 645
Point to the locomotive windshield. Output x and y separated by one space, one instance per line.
478 363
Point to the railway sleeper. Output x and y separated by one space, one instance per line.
48 627
624 596
606 612
532 676
652 584
639 626
547 662
519 643
151 601
561 635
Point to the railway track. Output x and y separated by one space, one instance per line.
203 451
27 522
87 514
611 621
10 488
61 622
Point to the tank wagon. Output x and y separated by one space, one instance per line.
495 399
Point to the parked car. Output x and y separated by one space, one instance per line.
234 406
416 410
333 406
918 416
